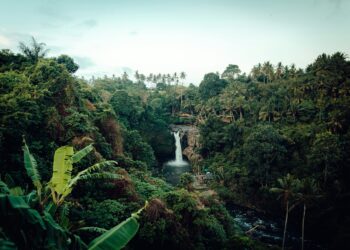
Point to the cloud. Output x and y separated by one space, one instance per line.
54 12
133 33
337 3
90 23
10 40
4 41
84 62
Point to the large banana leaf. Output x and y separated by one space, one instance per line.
82 153
62 170
30 215
96 167
31 167
103 175
117 237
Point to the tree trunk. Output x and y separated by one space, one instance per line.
303 228
181 93
285 225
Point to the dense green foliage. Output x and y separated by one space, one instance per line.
277 121
70 206
279 132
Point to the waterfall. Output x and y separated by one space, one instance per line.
178 162
173 169
178 151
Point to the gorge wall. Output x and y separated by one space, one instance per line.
189 135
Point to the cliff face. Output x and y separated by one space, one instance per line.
190 142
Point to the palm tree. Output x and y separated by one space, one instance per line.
137 76
159 78
279 70
176 78
308 192
268 72
287 190
34 51
256 72
183 77
168 79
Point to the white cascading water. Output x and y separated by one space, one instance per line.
178 151
173 169
178 162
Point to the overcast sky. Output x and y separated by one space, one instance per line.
109 37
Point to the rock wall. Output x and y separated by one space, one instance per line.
189 141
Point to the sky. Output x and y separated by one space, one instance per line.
160 36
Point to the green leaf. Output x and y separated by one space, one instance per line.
104 175
31 167
77 243
18 191
82 153
117 237
276 190
7 245
95 167
4 189
51 222
51 208
31 197
62 170
30 215
56 235
9 181
33 217
92 229
63 220
17 202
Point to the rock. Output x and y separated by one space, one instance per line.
190 134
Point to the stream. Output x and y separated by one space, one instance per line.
268 230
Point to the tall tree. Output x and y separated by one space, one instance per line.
287 188
268 72
34 51
68 62
182 77
231 71
307 193
326 154
211 86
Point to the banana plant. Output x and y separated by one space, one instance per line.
61 185
31 165
51 234
117 237
62 181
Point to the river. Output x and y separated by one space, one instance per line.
268 230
